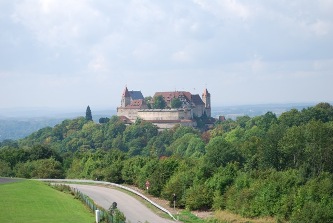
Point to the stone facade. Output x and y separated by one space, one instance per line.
133 106
165 114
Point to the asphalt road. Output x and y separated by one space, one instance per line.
134 210
4 180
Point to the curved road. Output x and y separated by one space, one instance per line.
134 210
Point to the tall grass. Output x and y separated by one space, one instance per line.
33 201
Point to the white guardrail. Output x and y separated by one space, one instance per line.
112 184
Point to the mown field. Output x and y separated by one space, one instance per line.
32 201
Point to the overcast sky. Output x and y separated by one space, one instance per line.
74 53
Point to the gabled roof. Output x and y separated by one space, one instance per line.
136 95
168 96
197 100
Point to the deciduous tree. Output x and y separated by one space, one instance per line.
159 102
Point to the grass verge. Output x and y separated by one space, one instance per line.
228 217
187 217
33 201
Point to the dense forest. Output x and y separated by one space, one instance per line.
260 166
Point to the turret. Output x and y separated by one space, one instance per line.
206 100
125 98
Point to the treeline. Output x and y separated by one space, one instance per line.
261 166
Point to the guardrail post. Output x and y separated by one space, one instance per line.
97 215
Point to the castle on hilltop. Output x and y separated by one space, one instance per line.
133 105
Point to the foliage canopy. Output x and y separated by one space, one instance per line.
260 166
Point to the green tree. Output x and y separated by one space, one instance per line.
176 103
290 118
321 112
202 200
313 201
43 168
179 182
319 146
5 170
265 121
223 177
148 101
47 168
161 174
88 114
132 168
159 102
179 146
180 131
138 134
292 146
242 120
114 127
219 153
42 152
157 145
103 120
269 153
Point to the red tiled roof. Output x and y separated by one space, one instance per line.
125 119
168 96
137 104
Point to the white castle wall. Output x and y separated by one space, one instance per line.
165 114
198 110
169 125
130 113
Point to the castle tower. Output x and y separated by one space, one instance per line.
206 100
125 98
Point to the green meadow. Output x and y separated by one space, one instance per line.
33 201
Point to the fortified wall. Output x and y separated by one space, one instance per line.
130 113
165 114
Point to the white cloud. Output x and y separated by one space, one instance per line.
145 51
321 28
58 23
181 56
257 64
98 64
226 9
232 43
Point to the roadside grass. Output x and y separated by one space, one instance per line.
187 217
228 217
221 217
33 201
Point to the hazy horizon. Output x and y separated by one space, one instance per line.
35 112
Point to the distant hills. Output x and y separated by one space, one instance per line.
255 110
20 122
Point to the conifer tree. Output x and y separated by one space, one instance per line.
88 114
